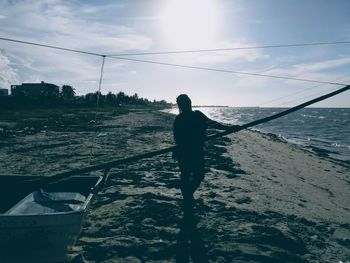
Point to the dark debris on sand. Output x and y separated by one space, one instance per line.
138 218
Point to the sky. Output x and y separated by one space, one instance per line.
129 27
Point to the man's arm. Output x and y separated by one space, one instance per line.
217 125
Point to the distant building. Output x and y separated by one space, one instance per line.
4 92
35 90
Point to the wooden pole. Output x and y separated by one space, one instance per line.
108 165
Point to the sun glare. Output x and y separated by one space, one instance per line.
190 23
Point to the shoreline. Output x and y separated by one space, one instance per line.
287 165
262 200
319 152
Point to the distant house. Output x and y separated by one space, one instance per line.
4 92
35 90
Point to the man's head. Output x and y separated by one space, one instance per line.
184 103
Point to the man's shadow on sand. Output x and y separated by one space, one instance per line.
189 241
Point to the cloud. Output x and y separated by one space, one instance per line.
63 23
66 24
218 57
322 65
93 9
331 70
8 74
91 28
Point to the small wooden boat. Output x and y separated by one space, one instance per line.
41 225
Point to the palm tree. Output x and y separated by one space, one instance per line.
111 99
121 98
49 94
67 92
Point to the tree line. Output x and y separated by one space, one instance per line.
53 95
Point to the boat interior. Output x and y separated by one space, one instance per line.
13 188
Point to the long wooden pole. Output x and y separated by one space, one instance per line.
108 165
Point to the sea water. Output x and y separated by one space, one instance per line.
325 131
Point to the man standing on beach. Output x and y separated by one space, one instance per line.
189 135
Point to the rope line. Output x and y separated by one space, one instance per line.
111 164
297 92
177 51
97 106
52 47
229 71
305 97
100 82
230 49
181 66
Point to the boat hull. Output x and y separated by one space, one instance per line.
38 238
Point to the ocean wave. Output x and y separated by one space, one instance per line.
339 145
326 130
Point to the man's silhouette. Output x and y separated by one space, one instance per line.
189 135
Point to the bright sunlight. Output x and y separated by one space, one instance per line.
190 24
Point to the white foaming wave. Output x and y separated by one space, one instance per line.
339 145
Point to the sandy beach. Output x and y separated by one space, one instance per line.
262 200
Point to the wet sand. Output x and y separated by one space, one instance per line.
263 200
